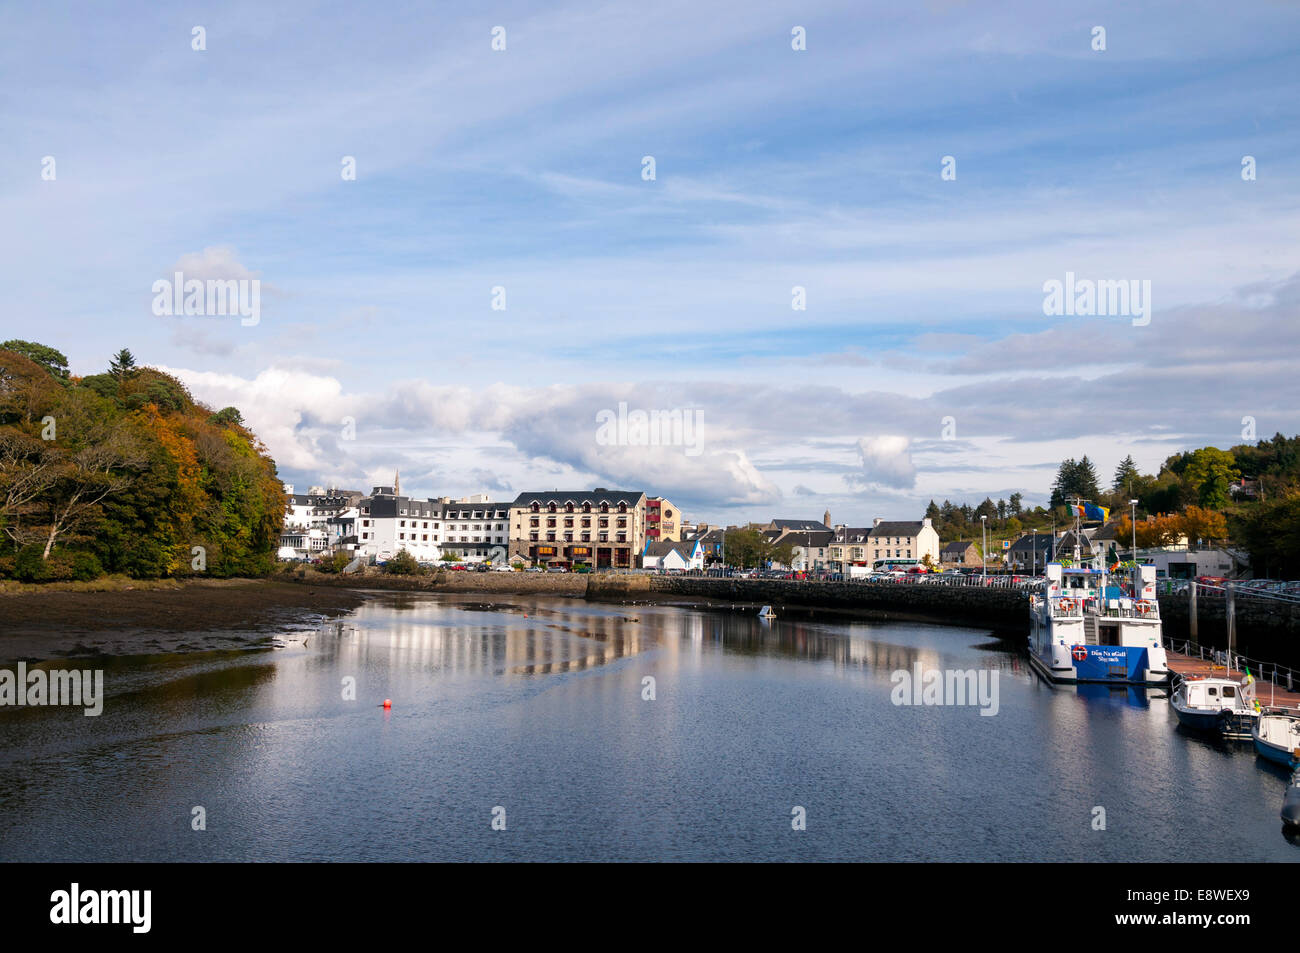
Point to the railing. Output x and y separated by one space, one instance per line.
1264 672
1020 583
1132 611
1215 591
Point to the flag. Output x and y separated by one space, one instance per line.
1094 512
1248 689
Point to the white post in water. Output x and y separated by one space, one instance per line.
1191 612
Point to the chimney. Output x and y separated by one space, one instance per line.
926 521
876 522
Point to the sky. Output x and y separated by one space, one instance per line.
849 320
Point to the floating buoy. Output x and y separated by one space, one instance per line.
388 703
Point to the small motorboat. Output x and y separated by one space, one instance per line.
766 613
1291 802
1277 737
1215 706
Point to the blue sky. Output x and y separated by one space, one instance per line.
774 168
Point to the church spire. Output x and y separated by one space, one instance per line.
397 483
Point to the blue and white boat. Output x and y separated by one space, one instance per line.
1277 737
1088 626
1216 706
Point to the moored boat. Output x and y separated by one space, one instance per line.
1277 737
1086 629
1291 802
1214 706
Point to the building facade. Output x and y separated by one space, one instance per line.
600 528
902 542
663 521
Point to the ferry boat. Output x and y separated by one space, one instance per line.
1086 629
1214 705
1277 737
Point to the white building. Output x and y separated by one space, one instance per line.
315 522
897 542
673 556
472 529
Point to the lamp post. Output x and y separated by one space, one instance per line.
1033 564
984 548
1133 507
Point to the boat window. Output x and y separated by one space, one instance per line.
1229 691
1211 690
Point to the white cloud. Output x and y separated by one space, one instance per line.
886 462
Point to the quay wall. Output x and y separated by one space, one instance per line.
1265 630
1005 609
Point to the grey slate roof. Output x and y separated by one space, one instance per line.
801 526
897 528
599 495
814 540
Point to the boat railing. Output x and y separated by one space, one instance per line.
1147 609
1065 607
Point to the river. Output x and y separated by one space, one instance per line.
534 715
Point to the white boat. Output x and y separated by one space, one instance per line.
1215 706
766 613
1277 737
1088 626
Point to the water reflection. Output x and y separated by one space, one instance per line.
537 703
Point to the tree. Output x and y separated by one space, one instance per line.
1271 534
227 416
1016 504
1075 479
1204 524
47 357
403 564
122 366
1126 477
1207 475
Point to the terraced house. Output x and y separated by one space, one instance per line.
850 547
600 528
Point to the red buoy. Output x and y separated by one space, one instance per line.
388 703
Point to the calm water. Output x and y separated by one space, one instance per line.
537 707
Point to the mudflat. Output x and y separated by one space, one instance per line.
38 623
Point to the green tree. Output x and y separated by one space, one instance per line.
123 365
227 416
403 564
47 357
1126 477
1207 475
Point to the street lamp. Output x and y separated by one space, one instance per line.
984 548
1133 506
